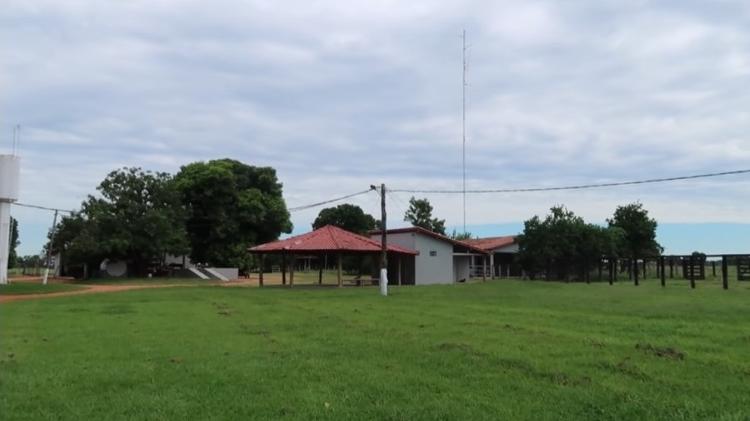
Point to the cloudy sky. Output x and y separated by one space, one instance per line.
338 95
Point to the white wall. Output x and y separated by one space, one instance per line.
428 269
437 269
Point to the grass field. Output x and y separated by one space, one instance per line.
500 350
23 288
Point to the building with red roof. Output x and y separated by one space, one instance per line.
502 254
441 259
332 240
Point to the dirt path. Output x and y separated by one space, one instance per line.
87 289
270 279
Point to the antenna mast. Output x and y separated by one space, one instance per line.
463 126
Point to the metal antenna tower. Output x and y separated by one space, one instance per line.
463 126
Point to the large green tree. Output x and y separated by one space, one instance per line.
231 206
639 231
563 245
349 217
77 240
13 255
138 217
419 214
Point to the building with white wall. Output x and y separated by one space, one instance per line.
441 260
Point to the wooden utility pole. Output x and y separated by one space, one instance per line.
383 244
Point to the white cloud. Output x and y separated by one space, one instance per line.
340 95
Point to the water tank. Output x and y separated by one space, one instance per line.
10 168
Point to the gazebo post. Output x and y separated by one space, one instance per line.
291 270
338 274
320 272
260 270
283 268
492 266
399 268
484 268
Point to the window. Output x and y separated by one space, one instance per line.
433 253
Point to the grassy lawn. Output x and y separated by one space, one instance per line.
21 288
499 350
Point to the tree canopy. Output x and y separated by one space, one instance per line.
419 214
563 245
349 217
13 255
230 206
138 218
639 229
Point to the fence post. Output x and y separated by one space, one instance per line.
671 268
724 272
611 263
713 267
663 272
635 271
692 272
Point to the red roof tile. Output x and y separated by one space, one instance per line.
328 239
492 243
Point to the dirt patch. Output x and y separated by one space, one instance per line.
662 352
87 289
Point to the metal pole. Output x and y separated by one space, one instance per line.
49 249
463 126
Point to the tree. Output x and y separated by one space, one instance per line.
138 218
419 214
563 245
639 231
349 217
13 256
77 241
230 207
461 236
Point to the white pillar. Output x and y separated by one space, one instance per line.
4 240
10 168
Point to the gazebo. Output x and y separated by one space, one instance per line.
326 240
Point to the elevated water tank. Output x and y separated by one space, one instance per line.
10 168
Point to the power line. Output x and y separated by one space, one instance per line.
25 205
578 187
325 202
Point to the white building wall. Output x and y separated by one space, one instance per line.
434 264
428 269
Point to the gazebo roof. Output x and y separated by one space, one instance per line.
328 239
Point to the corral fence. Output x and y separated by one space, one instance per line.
693 267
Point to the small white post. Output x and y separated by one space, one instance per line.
384 282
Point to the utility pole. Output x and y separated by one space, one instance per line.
463 126
383 245
49 249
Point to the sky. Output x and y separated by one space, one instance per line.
340 95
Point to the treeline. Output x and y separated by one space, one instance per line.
210 211
564 246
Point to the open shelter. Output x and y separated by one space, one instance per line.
329 240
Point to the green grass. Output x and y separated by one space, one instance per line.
22 288
499 350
